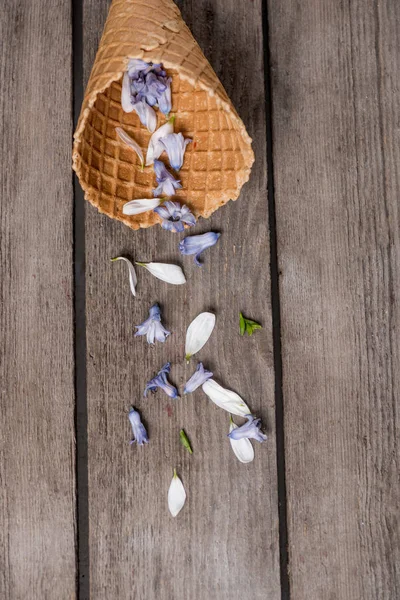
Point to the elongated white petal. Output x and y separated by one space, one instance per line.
146 114
132 273
135 207
169 273
243 449
151 123
226 399
176 495
126 103
155 149
131 143
198 333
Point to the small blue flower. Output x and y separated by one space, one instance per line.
174 216
199 377
138 429
167 184
250 430
175 145
160 381
195 244
152 327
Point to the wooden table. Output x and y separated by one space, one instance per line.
311 249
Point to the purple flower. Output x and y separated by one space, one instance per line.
146 83
137 66
160 381
167 184
152 327
174 216
250 430
199 377
139 432
155 88
175 145
195 244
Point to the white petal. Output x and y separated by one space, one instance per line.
135 207
151 118
132 273
155 149
176 495
198 333
226 399
243 449
126 103
169 273
131 143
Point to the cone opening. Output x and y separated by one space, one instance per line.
216 164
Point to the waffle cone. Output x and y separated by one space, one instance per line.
219 160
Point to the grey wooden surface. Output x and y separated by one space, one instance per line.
224 545
335 82
335 153
37 470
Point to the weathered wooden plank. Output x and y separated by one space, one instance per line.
224 544
37 531
335 79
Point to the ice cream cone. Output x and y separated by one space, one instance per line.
216 164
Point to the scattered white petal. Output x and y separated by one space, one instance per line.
131 143
226 399
135 207
146 114
151 120
132 273
243 449
169 273
155 149
176 495
126 103
198 333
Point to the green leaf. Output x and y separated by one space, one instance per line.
249 329
242 324
185 441
248 325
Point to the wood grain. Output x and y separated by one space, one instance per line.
335 82
224 544
37 527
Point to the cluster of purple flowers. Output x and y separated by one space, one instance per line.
144 86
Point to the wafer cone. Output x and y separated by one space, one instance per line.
219 160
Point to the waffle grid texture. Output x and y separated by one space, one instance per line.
217 162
